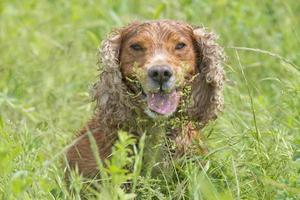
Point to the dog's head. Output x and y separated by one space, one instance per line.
153 61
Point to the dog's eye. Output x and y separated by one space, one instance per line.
136 47
180 45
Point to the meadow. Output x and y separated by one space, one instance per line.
48 63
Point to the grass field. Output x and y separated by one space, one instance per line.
48 62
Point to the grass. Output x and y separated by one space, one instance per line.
47 63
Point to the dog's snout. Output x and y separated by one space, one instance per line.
160 73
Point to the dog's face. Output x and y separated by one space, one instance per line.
156 59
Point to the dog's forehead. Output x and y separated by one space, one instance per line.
158 29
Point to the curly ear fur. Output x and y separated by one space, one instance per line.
206 95
109 92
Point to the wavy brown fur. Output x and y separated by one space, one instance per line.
116 109
208 85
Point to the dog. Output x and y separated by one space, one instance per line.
150 73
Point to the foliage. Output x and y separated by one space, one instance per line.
48 61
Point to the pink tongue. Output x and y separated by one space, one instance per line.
163 103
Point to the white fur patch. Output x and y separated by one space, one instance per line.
158 58
154 115
150 113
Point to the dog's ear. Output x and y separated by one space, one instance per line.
109 91
206 94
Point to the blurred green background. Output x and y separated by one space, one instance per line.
48 62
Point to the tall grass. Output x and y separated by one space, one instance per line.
47 63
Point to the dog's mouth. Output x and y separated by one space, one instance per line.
159 101
163 103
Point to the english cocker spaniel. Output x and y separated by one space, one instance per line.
152 73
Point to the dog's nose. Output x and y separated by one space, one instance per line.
160 73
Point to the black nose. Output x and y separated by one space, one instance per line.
160 73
